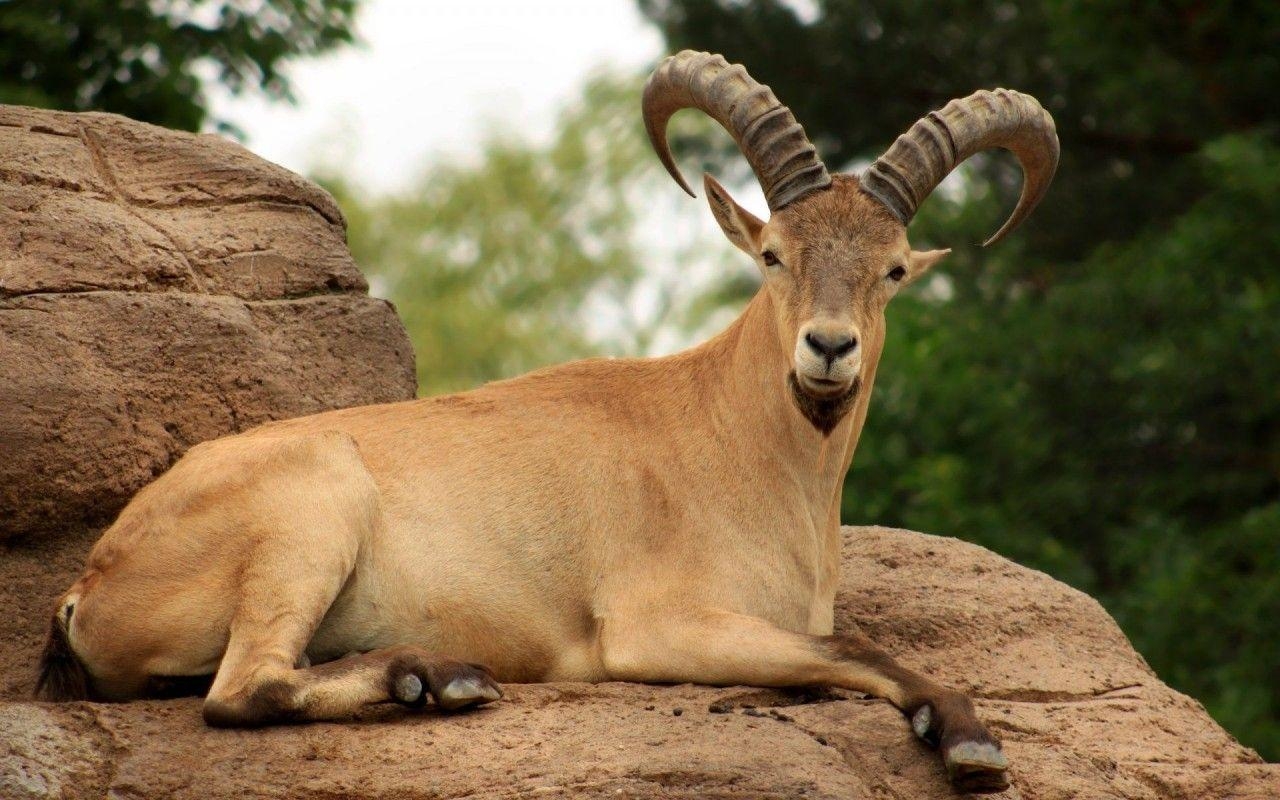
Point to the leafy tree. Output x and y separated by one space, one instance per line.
150 59
1100 395
492 262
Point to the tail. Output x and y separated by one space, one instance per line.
62 675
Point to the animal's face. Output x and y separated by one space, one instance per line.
831 261
835 250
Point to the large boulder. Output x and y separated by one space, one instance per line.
1080 713
158 289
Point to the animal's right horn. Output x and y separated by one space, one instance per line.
784 161
917 162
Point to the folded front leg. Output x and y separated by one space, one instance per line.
723 649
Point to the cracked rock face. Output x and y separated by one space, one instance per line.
158 289
1080 715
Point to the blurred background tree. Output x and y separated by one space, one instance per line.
535 253
152 59
490 261
1098 397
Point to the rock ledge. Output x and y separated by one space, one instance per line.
1080 714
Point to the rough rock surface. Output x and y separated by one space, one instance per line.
1080 714
158 289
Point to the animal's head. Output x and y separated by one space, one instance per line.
835 250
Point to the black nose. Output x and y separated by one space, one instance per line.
830 347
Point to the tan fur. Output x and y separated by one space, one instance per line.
670 519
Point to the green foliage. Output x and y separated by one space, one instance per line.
490 262
149 59
1099 396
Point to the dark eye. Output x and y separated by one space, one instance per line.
897 273
770 260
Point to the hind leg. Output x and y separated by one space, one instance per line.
317 522
228 563
337 690
260 682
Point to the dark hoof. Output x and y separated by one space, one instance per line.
977 767
925 726
408 689
473 688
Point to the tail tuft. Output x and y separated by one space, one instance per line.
62 674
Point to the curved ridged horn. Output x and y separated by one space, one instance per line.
918 161
775 145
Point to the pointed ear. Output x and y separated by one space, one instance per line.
922 261
739 225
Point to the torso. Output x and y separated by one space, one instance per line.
468 483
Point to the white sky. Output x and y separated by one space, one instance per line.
429 75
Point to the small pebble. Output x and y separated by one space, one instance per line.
822 740
675 712
648 708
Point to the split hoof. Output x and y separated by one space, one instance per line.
974 763
414 676
977 767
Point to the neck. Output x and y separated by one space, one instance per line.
748 373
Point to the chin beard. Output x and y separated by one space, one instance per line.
824 413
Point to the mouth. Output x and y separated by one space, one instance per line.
821 388
822 401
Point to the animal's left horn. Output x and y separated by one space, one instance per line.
917 162
785 162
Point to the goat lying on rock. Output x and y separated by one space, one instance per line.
671 519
